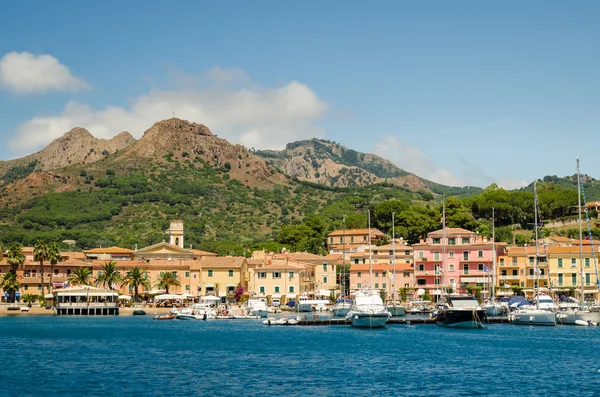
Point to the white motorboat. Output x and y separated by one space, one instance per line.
368 310
395 309
245 317
532 316
342 307
256 307
493 309
280 321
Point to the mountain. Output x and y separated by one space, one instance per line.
331 164
591 186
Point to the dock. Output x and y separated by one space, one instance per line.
319 321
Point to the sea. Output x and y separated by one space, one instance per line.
137 356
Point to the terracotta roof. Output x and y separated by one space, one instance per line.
400 267
109 250
388 247
350 232
203 253
451 231
304 256
281 266
209 262
73 255
254 262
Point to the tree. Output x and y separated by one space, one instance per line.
40 254
15 257
217 286
109 275
239 291
53 256
136 277
80 276
166 280
29 299
10 284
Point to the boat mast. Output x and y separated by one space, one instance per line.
536 269
582 297
493 286
370 256
394 256
343 284
443 246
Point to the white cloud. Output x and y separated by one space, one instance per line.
25 73
250 115
413 160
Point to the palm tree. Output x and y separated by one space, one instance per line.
53 256
80 276
136 277
15 257
167 279
40 254
109 275
217 286
29 299
10 284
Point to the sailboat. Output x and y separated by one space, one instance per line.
343 304
579 315
394 307
368 309
533 315
493 308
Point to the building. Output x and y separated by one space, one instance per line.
453 259
353 240
383 277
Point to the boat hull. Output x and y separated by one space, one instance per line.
572 318
340 311
365 320
396 311
494 310
535 317
304 307
460 318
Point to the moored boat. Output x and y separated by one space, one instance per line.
368 310
341 307
395 309
460 311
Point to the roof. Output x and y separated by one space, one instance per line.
304 256
351 232
203 253
109 250
450 231
400 267
73 255
281 266
388 247
212 262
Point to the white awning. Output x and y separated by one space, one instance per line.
474 279
125 297
276 296
167 297
209 285
291 296
49 296
186 295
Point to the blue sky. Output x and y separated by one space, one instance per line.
464 92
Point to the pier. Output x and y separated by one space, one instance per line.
317 321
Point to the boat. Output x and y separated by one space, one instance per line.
576 313
304 304
530 314
493 308
394 307
419 306
280 321
139 312
245 317
256 307
460 311
341 307
169 316
368 310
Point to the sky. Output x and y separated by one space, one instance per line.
461 93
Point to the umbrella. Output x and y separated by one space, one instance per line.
154 292
186 296
167 296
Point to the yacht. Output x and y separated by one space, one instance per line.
460 311
341 307
396 309
368 310
304 304
493 309
256 307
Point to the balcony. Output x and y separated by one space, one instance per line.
533 276
33 280
509 277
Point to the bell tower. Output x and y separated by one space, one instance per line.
176 233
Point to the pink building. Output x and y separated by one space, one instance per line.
382 279
453 258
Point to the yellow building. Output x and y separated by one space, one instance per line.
565 269
351 240
220 275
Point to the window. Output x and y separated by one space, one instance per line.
174 274
421 281
391 253
68 272
26 287
187 287
437 268
436 256
436 281
480 267
291 288
376 285
365 239
330 240
465 240
420 254
384 286
573 279
324 267
341 240
451 281
421 267
359 274
262 289
364 261
325 279
359 285
332 268
587 262
230 273
514 260
195 275
99 273
352 239
531 258
356 261
276 289
376 274
187 274
451 254
503 273
276 274
436 240
560 280
39 287
587 278
56 270
451 267
573 262
262 274
465 255
452 241
480 254
291 274
383 274
406 274
466 268
210 273
406 252
560 262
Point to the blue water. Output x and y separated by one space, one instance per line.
57 356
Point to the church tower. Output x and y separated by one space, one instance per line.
176 233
